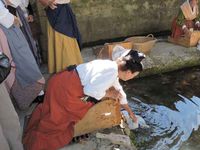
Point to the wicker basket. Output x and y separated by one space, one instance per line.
187 41
142 43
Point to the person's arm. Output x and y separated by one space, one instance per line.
44 2
130 112
49 3
123 100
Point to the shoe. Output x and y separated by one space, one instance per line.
39 99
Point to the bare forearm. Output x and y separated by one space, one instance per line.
130 112
127 108
44 2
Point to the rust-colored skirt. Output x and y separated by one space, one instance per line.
52 123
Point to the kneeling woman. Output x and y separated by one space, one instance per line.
52 123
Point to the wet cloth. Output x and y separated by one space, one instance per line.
10 133
141 123
52 122
27 70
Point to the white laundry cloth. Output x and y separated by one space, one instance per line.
134 125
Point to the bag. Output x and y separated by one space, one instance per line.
5 67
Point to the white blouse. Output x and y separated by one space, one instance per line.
98 76
62 1
6 18
15 3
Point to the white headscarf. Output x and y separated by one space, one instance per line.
119 51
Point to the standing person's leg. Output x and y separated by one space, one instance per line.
9 120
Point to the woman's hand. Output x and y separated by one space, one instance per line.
16 21
30 18
133 117
130 112
52 4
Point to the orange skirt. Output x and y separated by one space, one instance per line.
52 123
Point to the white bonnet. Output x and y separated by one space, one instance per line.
119 51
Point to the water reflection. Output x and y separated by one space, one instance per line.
169 128
170 104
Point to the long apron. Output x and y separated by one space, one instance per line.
64 39
28 78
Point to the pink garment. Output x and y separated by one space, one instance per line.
6 50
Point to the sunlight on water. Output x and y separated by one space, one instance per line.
169 128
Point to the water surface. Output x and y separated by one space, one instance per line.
170 104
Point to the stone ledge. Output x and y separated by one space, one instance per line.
164 57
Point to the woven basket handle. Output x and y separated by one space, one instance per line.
99 55
150 35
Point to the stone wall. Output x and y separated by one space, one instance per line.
109 19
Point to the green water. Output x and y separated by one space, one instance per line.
170 104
